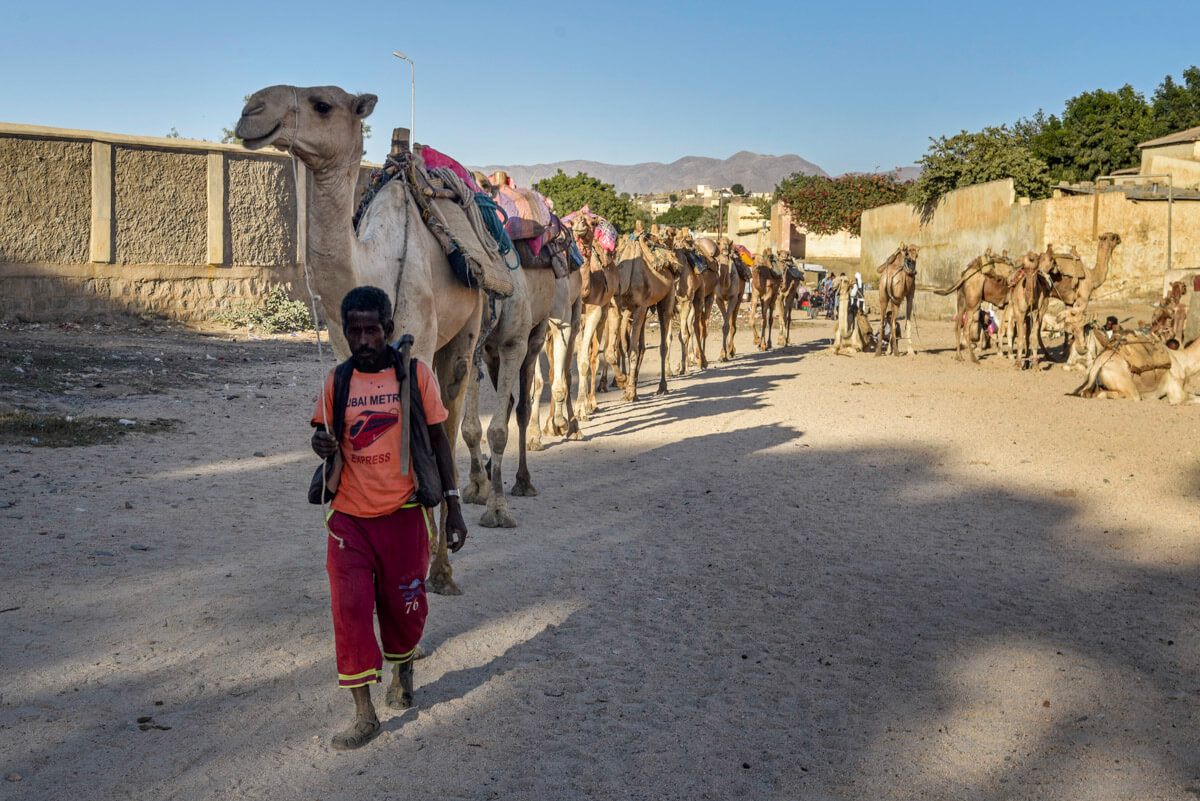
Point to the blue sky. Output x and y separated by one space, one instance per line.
847 85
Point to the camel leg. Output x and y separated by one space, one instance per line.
883 321
452 365
634 351
512 355
910 325
585 364
735 304
664 312
754 310
523 486
621 330
702 333
565 422
534 442
476 489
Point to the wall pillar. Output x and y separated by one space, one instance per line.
100 247
217 256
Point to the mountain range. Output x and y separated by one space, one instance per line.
754 171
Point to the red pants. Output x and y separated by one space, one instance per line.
381 568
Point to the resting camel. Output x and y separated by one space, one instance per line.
789 291
984 278
860 337
598 285
1137 367
730 287
897 282
646 276
392 249
764 291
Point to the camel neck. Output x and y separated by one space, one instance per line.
330 232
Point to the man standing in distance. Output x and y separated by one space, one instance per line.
379 537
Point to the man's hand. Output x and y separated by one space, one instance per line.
323 443
456 529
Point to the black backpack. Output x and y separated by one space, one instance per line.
426 478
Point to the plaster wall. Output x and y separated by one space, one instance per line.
160 207
44 200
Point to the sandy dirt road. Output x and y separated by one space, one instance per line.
795 576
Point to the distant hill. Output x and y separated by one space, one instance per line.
756 172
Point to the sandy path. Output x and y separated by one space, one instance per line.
796 576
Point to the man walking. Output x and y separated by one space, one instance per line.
379 536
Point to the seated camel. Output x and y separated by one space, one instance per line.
1134 367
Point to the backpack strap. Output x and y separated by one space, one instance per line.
341 395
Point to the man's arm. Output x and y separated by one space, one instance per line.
456 528
323 443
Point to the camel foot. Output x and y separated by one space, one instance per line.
632 397
523 488
477 490
497 517
573 433
662 389
534 444
443 584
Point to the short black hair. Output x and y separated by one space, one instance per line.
367 298
1110 320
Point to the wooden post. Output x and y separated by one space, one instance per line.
301 214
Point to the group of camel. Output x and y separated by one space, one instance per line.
602 307
1119 364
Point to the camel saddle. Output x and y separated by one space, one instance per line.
1069 264
1142 354
551 250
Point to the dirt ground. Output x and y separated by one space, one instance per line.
795 576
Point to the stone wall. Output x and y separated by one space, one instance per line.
967 221
94 224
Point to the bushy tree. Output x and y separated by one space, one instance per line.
738 189
680 216
827 205
1176 107
966 159
572 192
1101 131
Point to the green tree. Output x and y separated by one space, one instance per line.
966 159
738 189
1101 131
707 221
1176 107
573 192
827 205
680 216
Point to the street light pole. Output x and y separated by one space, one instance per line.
412 108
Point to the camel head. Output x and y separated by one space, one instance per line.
322 125
1110 239
908 257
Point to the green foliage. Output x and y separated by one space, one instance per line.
572 192
827 205
763 205
738 189
673 198
707 221
681 216
275 315
966 159
1101 131
1177 107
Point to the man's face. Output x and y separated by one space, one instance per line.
367 338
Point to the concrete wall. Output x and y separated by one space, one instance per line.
95 223
967 221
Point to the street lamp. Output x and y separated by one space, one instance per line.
412 108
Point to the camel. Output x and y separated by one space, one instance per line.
1135 367
897 282
859 338
730 287
562 335
646 278
789 292
510 352
1171 318
1028 297
764 290
392 249
984 278
695 291
598 285
1072 281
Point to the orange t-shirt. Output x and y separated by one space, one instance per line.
371 484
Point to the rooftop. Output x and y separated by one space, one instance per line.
1177 138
